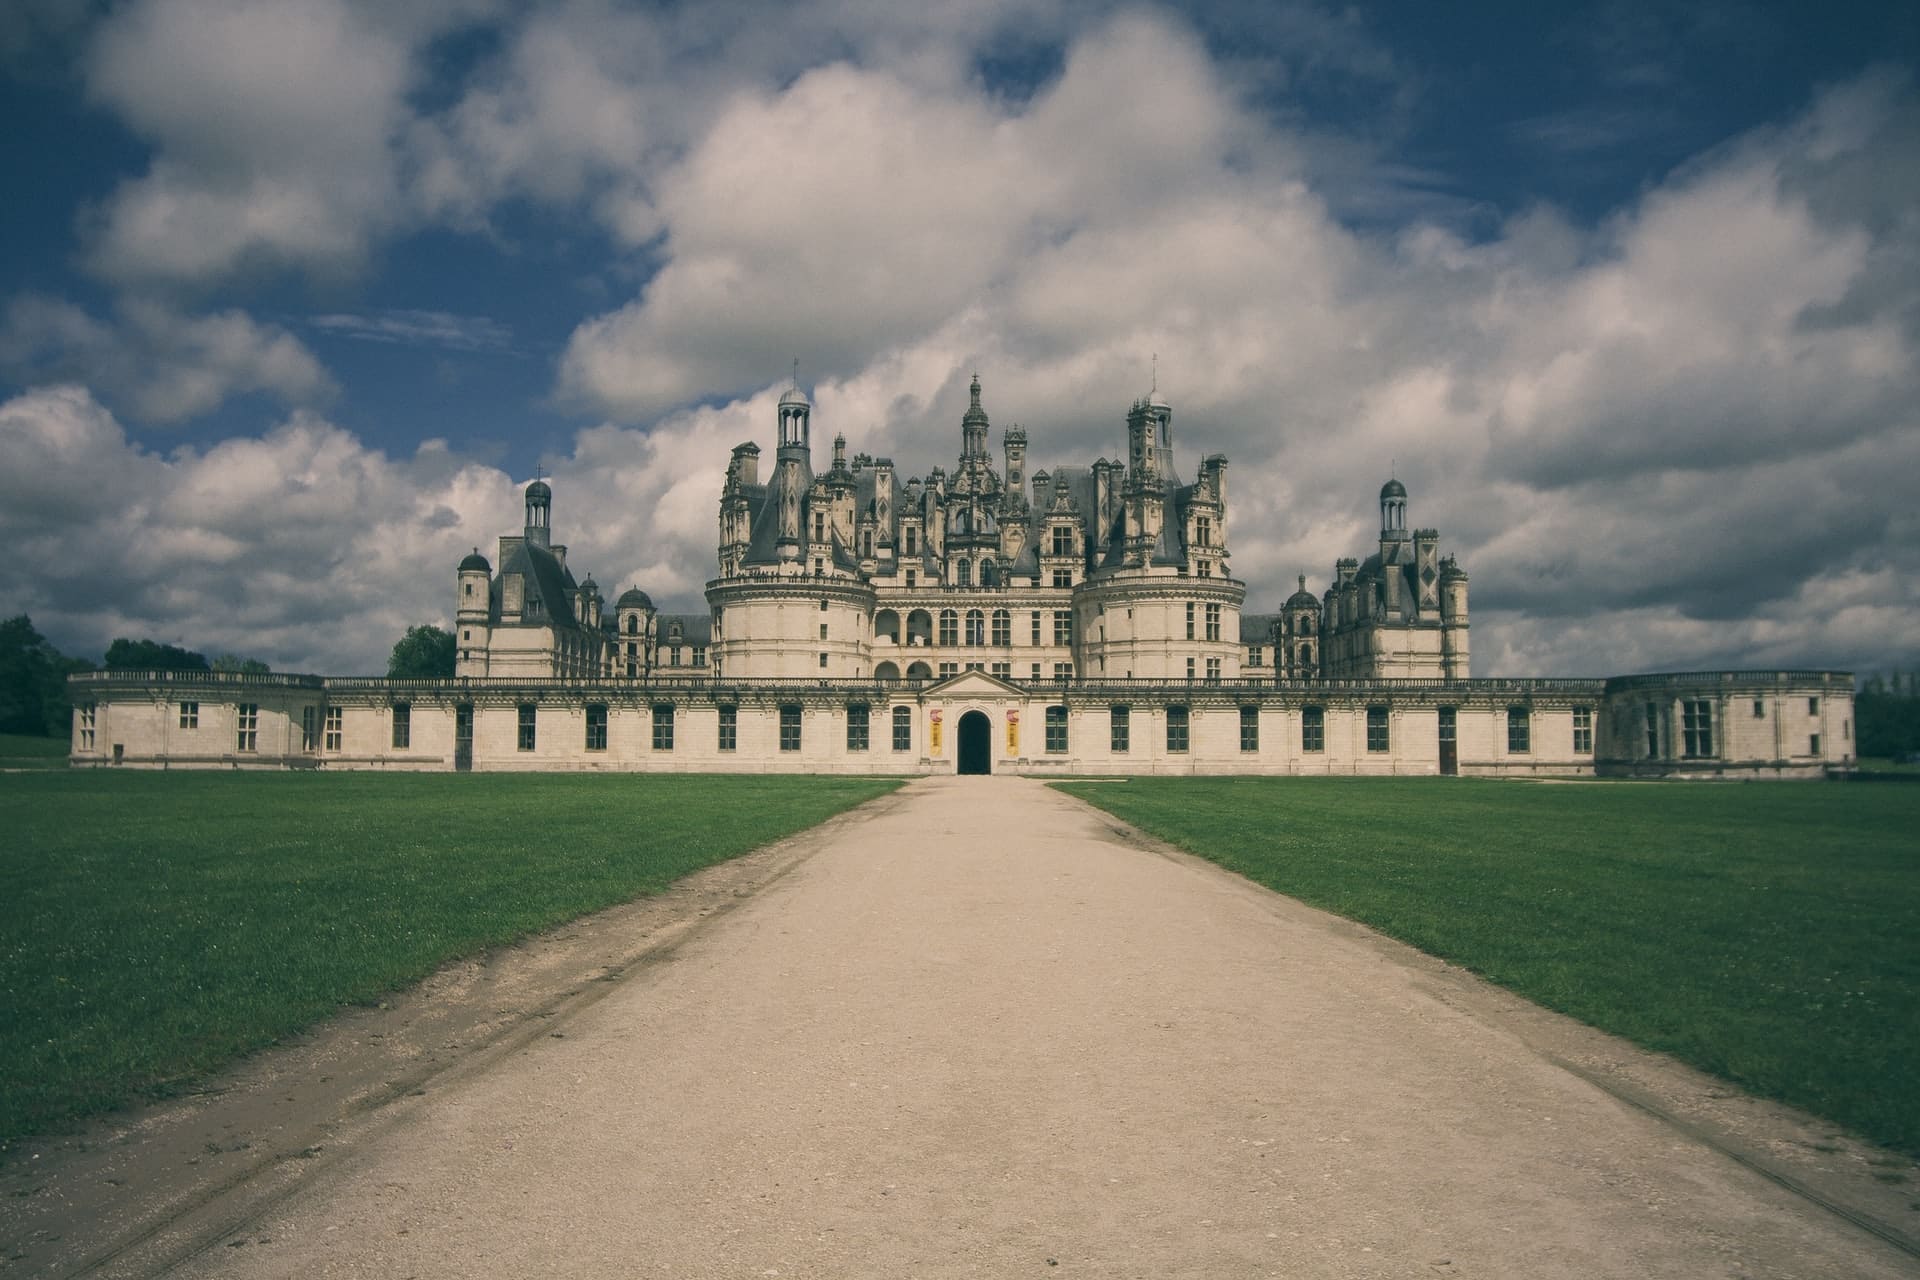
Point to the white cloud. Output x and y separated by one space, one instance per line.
302 547
273 123
163 365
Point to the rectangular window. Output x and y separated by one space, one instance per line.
1377 737
248 736
1062 540
596 726
857 727
1189 668
1004 670
335 728
1519 731
1120 730
912 579
1036 671
823 631
1653 730
1814 747
1759 709
1813 706
1189 619
949 669
1696 723
88 722
189 715
402 725
1583 731
1313 729
949 627
1176 729
1056 730
729 728
1213 622
790 728
1249 728
527 737
823 662
309 727
903 728
1036 626
663 726
699 657
1063 577
1002 627
1213 671
1063 626
1256 656
1063 671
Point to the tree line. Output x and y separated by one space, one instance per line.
33 673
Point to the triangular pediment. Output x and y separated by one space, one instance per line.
973 684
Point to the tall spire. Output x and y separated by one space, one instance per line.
973 425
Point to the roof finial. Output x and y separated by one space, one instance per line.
539 472
796 373
1156 372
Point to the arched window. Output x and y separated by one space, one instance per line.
949 627
963 573
633 624
1306 655
989 573
1002 627
976 627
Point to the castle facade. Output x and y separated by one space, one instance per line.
1080 620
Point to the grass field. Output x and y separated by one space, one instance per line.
1769 933
155 925
20 751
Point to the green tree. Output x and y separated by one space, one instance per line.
150 655
426 652
1887 715
244 666
33 680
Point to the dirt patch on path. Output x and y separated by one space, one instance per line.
136 1191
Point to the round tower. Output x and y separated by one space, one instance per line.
472 613
633 633
1300 635
1454 655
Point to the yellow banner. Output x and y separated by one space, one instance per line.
933 734
1013 733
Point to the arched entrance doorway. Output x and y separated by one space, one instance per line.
976 743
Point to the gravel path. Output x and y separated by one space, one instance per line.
982 1033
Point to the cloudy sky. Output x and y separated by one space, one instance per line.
296 294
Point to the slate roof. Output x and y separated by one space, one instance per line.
547 580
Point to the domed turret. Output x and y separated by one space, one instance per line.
1393 510
539 529
633 598
1303 598
476 563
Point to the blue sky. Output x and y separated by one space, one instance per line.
295 294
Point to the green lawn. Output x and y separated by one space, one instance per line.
1766 932
156 925
20 751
